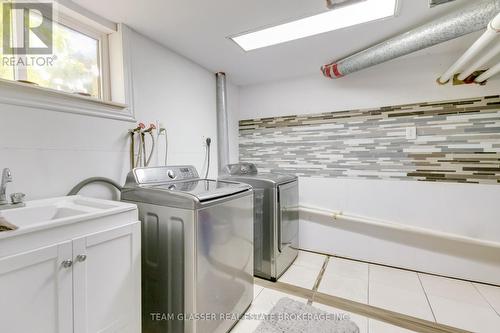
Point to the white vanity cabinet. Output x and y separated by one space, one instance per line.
80 277
36 292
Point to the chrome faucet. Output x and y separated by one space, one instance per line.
17 199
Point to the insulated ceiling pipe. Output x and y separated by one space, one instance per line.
486 38
461 22
222 122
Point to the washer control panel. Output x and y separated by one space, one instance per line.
165 174
171 174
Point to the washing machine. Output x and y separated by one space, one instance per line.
197 249
276 217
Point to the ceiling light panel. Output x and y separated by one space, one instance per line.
362 12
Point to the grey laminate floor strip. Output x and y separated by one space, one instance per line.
318 279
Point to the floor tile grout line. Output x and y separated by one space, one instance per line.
318 279
427 297
485 299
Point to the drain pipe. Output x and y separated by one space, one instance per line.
485 58
488 74
461 22
222 122
491 33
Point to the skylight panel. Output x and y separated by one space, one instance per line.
362 12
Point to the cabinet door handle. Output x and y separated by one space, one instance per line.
81 257
67 263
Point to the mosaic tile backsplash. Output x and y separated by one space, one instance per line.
457 141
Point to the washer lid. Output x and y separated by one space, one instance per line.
202 189
177 186
248 172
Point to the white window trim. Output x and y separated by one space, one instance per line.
103 49
117 82
32 96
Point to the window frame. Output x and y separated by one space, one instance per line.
102 47
58 100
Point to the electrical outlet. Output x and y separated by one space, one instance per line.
411 133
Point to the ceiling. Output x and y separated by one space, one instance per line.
199 29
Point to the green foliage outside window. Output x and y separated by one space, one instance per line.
75 65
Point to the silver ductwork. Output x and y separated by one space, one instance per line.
434 3
222 122
335 4
469 19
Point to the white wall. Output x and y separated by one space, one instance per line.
469 210
49 152
461 209
401 81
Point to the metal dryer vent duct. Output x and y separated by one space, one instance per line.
335 4
434 3
222 122
469 19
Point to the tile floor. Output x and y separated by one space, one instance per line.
265 299
465 305
304 271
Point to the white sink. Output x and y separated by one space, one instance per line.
29 216
40 214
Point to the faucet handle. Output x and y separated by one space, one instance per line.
7 175
17 198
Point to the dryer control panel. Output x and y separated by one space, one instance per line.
165 174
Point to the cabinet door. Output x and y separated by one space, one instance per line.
36 293
106 279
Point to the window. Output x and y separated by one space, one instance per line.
85 69
75 65
6 72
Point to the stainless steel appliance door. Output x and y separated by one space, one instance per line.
224 267
264 232
287 225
